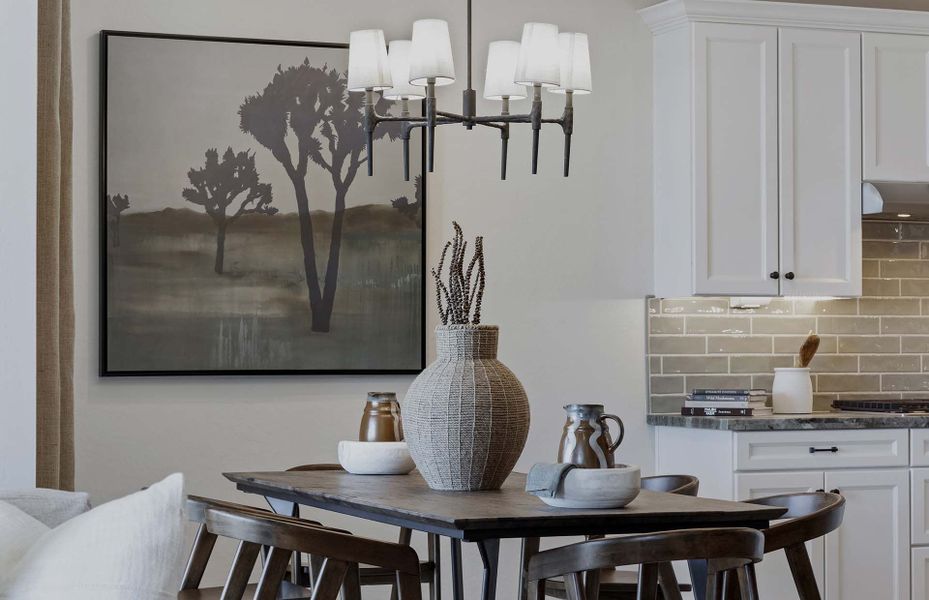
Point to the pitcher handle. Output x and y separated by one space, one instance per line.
622 431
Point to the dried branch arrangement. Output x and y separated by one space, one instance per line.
464 290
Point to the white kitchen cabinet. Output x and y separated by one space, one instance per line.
919 559
919 492
774 572
735 159
819 132
895 72
757 157
869 555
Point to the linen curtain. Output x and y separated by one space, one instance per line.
54 281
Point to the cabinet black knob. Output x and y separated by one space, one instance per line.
789 275
774 275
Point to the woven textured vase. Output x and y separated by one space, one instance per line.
466 417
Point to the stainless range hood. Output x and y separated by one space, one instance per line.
892 201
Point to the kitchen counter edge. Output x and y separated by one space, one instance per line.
814 421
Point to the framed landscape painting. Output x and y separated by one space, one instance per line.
240 233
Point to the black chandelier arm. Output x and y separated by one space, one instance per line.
501 122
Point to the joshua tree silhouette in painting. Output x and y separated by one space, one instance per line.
313 104
413 211
218 184
115 205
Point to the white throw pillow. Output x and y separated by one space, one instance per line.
18 533
130 548
52 507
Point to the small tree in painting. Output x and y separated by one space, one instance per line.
218 184
115 205
412 210
314 106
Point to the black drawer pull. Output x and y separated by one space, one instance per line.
832 449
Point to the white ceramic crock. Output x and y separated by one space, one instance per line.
792 391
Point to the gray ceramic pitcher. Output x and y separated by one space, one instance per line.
586 440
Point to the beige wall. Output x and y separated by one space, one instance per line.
18 231
568 260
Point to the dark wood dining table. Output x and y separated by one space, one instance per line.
485 518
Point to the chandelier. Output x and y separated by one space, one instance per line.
412 69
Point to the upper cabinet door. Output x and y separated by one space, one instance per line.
896 126
819 102
735 159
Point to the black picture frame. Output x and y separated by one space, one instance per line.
103 331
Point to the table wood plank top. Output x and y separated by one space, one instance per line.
407 501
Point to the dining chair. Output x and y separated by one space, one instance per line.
255 529
621 585
810 515
725 550
430 571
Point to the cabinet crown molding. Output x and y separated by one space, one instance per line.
673 14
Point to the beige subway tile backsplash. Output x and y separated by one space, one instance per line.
889 306
889 363
911 325
854 344
695 306
676 344
694 364
881 230
833 363
783 324
905 269
905 383
876 346
790 344
842 306
847 383
739 344
666 325
731 325
890 249
848 325
915 343
880 287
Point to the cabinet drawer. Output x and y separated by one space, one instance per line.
789 450
919 447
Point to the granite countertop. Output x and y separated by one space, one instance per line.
816 420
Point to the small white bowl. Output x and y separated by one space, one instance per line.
597 488
375 458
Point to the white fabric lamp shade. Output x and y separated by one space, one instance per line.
539 62
368 68
574 55
431 53
398 54
501 69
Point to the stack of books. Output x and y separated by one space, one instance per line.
727 403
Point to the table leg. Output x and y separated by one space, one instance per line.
698 578
530 547
490 556
435 555
457 575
